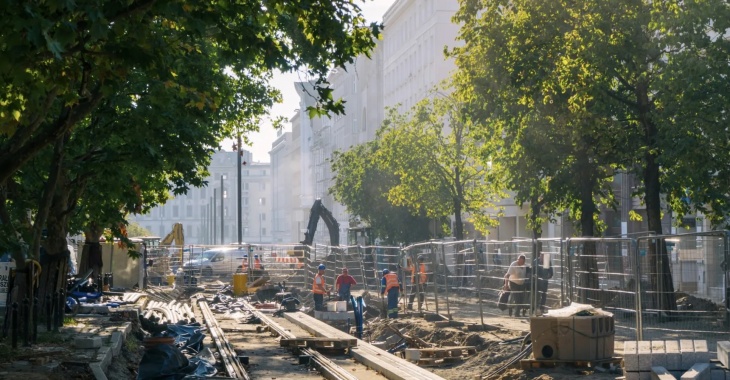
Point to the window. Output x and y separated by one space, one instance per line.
263 216
189 211
244 201
262 201
175 211
263 186
263 231
245 186
203 210
203 192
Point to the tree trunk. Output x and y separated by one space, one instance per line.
588 277
659 270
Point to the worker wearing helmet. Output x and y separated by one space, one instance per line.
319 288
257 262
419 278
390 285
244 263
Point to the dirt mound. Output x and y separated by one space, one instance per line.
688 302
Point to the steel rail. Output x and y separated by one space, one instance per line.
325 366
226 351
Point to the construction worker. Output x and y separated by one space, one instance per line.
257 262
390 285
343 284
418 283
319 288
244 264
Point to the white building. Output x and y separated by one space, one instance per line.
200 210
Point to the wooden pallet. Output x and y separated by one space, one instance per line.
447 352
318 343
604 363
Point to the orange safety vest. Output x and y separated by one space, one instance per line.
423 278
318 288
391 281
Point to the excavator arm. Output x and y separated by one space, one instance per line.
318 210
177 236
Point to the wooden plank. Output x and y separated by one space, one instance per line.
389 365
317 342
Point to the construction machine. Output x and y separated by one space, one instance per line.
176 236
318 210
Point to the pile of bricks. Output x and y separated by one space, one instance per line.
672 359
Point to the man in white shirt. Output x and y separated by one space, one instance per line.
514 281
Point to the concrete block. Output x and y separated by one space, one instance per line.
717 374
116 341
687 350
643 375
673 357
699 371
723 352
702 353
631 358
644 352
97 371
104 357
661 373
658 354
87 342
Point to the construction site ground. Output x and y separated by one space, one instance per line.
267 360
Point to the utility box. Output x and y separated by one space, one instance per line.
573 338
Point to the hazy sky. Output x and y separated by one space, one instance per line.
373 11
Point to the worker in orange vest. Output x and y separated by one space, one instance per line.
257 262
419 278
390 285
319 288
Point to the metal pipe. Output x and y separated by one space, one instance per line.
238 162
223 240
446 279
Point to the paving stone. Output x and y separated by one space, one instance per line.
702 353
699 371
673 357
723 353
661 373
631 358
687 350
643 350
97 371
87 342
658 354
116 340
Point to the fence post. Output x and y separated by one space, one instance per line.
725 289
479 280
639 311
445 272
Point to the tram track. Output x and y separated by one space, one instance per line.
225 350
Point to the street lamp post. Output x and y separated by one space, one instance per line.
238 189
215 202
222 196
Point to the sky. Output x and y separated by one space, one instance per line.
373 10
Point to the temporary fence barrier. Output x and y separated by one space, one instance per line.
626 276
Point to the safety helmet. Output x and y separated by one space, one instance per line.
321 267
385 271
255 256
419 258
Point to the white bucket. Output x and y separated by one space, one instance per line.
341 306
413 354
331 306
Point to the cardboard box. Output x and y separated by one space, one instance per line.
573 338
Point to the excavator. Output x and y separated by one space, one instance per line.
318 210
177 236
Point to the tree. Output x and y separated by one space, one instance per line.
435 157
136 230
362 186
633 67
79 65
